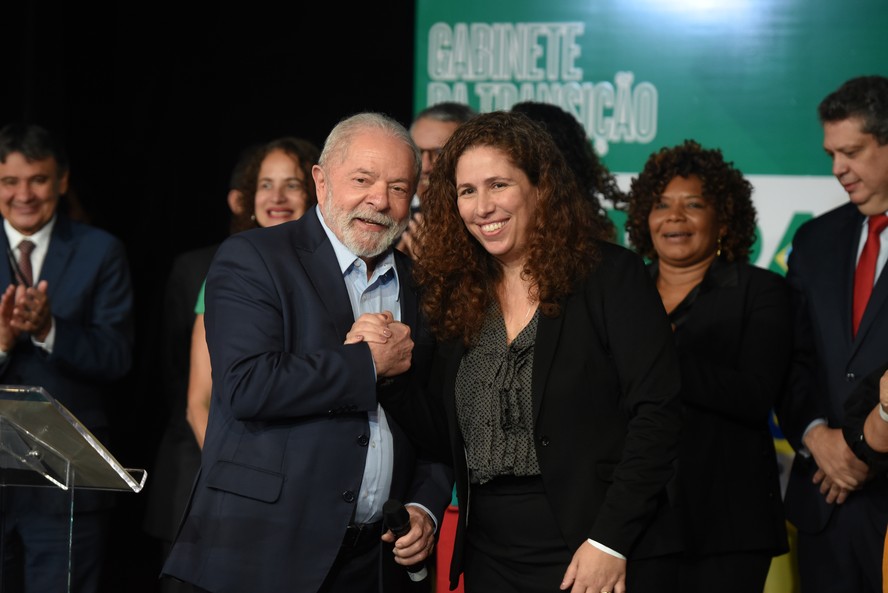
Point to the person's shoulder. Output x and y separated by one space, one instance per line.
614 255
615 265
759 272
609 248
826 222
275 242
762 276
259 235
297 230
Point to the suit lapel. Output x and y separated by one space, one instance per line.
407 298
60 255
548 335
849 235
877 302
319 260
836 273
453 352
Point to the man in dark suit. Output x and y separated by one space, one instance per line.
66 326
838 506
308 324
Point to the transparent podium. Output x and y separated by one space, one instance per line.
43 444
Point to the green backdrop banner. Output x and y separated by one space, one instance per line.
741 75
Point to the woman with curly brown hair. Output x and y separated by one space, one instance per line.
691 213
554 385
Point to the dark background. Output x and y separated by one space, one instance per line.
154 103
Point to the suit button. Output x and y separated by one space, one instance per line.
348 496
850 377
363 440
544 441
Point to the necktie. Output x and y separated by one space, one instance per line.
25 249
865 276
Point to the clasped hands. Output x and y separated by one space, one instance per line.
24 309
839 471
390 343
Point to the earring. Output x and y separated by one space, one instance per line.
718 250
253 218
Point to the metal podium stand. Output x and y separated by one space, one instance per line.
43 444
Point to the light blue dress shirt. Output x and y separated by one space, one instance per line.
376 294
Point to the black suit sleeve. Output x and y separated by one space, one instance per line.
857 407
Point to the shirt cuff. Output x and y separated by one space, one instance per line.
604 548
428 512
49 342
817 422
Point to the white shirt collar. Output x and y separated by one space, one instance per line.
40 238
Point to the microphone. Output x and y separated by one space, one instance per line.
396 518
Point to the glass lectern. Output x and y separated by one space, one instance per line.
43 444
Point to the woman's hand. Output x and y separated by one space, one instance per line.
594 571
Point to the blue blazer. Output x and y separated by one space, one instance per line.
830 364
90 295
287 437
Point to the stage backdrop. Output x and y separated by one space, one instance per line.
741 75
745 76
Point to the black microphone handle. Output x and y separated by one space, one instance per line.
396 518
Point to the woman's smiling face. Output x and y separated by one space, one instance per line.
683 223
496 201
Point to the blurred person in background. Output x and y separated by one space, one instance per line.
430 130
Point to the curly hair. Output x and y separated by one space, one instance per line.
723 186
457 276
594 179
306 155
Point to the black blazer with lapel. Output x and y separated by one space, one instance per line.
287 437
606 413
830 363
734 338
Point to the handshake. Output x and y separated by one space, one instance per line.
390 343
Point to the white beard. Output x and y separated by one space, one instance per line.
362 244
